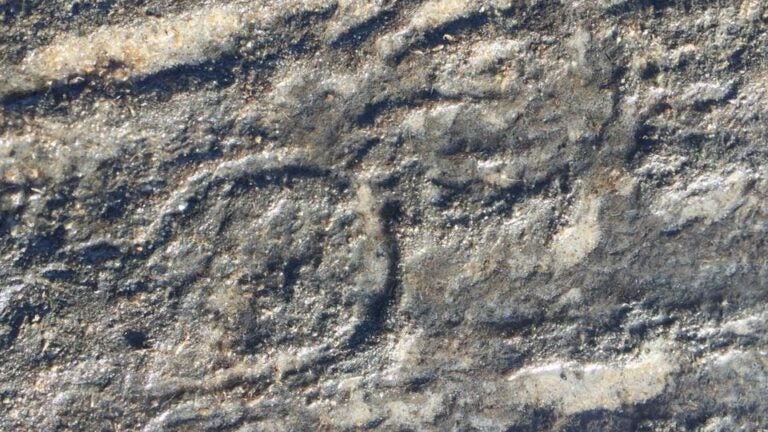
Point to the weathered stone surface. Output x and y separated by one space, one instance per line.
387 215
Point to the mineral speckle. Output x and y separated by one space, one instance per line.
383 215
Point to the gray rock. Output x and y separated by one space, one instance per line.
385 215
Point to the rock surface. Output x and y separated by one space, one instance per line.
348 215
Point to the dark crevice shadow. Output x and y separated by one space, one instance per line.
359 34
379 315
218 73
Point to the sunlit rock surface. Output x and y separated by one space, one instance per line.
496 215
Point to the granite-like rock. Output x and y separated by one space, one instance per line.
383 215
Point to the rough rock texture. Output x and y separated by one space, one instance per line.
470 215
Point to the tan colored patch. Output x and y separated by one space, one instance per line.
574 242
121 52
152 46
574 388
